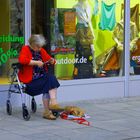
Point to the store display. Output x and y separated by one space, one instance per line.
134 15
108 17
89 30
113 59
63 41
84 38
135 58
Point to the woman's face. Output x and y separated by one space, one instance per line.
35 47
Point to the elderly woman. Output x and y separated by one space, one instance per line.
35 75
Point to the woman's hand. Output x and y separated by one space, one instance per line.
39 63
36 63
52 61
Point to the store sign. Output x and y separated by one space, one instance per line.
69 23
67 60
10 53
136 58
4 56
11 39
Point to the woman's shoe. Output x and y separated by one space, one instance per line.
56 107
48 115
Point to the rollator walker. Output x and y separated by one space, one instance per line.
17 87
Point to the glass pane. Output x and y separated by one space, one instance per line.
95 49
84 36
11 34
135 37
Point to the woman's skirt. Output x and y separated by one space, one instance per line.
42 85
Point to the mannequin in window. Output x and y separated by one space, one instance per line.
113 60
84 37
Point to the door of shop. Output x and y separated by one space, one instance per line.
40 18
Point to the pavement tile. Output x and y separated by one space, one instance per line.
10 136
111 119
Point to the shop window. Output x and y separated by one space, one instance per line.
11 34
87 38
135 37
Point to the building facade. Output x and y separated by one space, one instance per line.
96 44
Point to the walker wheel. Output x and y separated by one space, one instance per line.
9 107
26 114
56 114
33 105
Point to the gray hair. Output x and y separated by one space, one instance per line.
37 39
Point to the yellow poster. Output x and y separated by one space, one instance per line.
69 23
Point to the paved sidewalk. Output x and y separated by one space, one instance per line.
111 119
